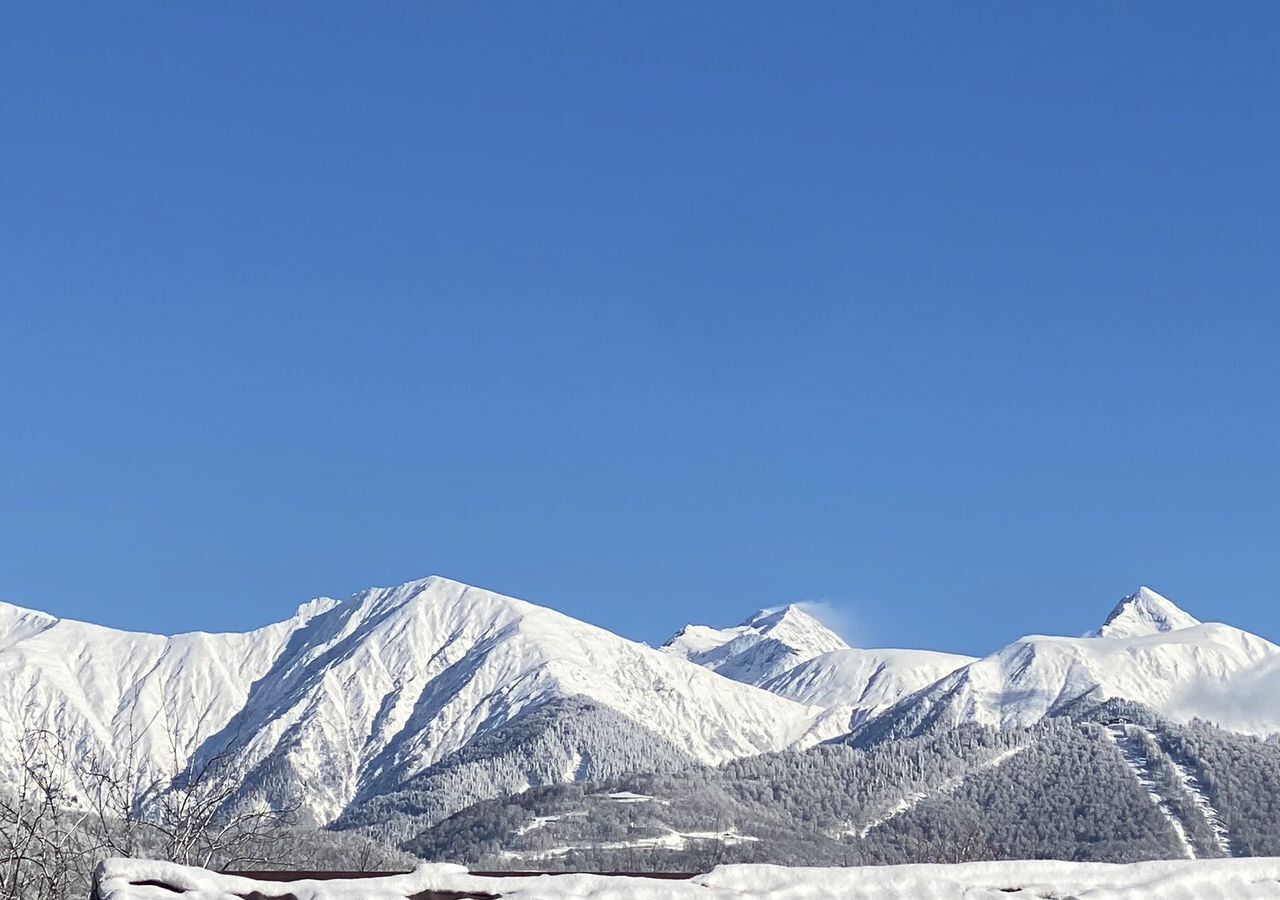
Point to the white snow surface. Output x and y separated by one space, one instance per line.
869 681
1230 879
345 697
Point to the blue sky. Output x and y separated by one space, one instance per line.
960 317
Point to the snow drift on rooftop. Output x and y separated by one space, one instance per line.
1219 879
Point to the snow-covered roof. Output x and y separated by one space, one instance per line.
1218 879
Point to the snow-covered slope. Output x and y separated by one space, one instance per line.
104 688
790 653
1149 652
867 680
765 645
348 699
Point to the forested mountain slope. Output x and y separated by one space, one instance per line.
1062 788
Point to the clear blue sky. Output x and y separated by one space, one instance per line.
963 317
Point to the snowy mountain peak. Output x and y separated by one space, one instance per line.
790 624
765 645
792 615
1145 612
312 608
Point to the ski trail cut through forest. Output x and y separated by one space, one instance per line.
1191 783
1134 751
1221 835
915 798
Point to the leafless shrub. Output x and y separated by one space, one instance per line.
65 808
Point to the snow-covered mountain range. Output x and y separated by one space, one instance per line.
349 704
347 699
1148 651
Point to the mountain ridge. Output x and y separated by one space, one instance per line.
358 706
349 698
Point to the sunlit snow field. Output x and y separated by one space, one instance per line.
1234 879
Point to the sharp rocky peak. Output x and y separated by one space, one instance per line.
1145 612
792 620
